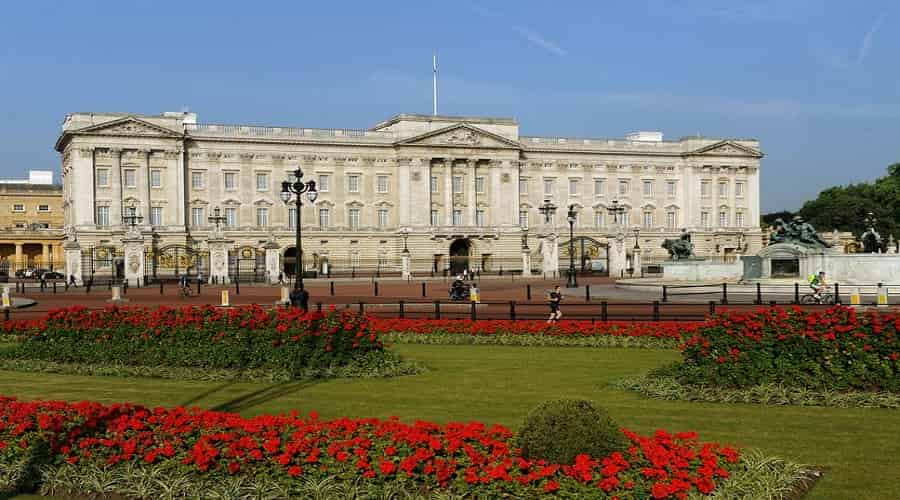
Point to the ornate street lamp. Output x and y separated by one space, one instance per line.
405 233
132 219
217 218
637 233
298 187
615 209
571 282
548 209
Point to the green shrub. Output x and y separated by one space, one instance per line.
20 467
559 430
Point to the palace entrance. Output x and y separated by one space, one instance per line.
459 255
591 256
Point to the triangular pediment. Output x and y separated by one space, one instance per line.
725 148
128 126
461 135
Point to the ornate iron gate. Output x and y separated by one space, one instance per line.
172 261
101 263
247 264
591 256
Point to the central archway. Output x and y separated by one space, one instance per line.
459 255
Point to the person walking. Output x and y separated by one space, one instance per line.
72 281
281 278
555 298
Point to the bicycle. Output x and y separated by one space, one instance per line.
186 291
811 299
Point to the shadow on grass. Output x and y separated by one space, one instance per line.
202 395
264 395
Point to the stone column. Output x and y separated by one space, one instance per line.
19 258
115 182
45 256
73 261
405 271
471 196
526 255
618 261
273 261
218 259
134 258
549 255
448 190
636 262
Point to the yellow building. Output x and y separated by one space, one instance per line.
31 224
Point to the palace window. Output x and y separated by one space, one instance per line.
381 183
705 188
549 187
130 178
670 189
324 218
573 187
624 218
262 217
479 185
231 217
648 188
457 217
196 180
230 181
130 211
723 189
353 218
103 216
292 218
723 219
648 220
156 216
382 217
434 218
599 219
671 220
156 178
523 219
599 187
197 218
739 189
102 177
352 183
739 219
457 184
523 185
434 184
18 207
704 220
322 187
262 181
623 188
479 218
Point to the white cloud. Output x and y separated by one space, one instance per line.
536 38
866 43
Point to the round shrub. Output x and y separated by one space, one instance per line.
559 430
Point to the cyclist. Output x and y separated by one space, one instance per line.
817 284
184 285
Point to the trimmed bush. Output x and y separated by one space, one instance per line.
560 430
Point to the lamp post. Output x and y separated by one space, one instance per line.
298 187
405 233
548 209
571 217
217 218
615 209
132 219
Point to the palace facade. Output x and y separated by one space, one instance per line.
456 191
31 223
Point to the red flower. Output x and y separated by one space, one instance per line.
551 486
295 471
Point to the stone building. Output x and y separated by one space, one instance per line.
457 191
31 223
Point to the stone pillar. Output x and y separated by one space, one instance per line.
549 255
134 258
471 194
18 261
636 262
526 262
115 181
273 261
618 262
73 261
45 255
405 270
218 260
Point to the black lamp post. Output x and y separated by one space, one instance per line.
571 282
616 209
132 219
548 209
298 187
405 233
217 218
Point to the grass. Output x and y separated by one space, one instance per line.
857 447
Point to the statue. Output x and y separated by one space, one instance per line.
680 248
871 240
796 231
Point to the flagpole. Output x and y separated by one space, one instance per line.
434 81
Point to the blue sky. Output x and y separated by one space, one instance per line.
815 81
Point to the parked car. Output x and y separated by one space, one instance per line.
53 275
37 273
24 273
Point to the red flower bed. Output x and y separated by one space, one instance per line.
836 349
660 329
466 457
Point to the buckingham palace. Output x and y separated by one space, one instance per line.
450 192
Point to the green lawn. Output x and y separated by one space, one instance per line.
858 448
